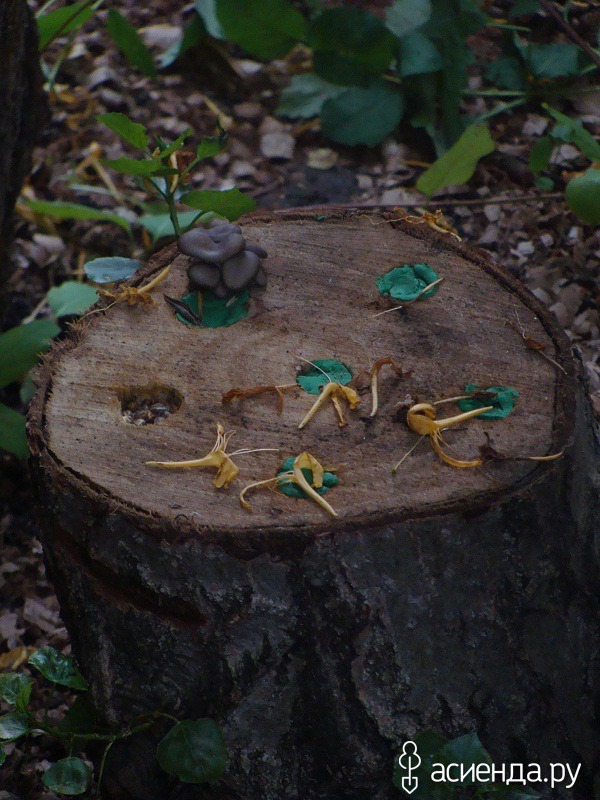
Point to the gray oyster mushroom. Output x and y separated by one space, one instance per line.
224 262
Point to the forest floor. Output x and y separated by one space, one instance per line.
532 235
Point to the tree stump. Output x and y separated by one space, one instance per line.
24 104
445 598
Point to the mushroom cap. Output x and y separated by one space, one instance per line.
217 232
204 276
197 243
221 291
240 270
256 248
260 279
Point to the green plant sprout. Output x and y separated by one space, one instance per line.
193 751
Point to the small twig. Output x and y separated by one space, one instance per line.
408 302
537 347
553 11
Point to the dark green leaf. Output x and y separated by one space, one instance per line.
132 132
71 297
522 8
459 163
20 348
428 743
555 60
363 116
540 154
217 312
230 203
543 183
79 719
193 751
293 490
12 432
305 96
160 225
140 168
207 9
58 210
193 34
350 46
15 689
572 131
418 55
466 750
176 145
583 196
503 401
265 28
111 269
63 20
58 668
322 371
507 72
130 43
14 725
405 16
405 283
68 776
211 146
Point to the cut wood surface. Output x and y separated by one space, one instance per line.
455 599
320 303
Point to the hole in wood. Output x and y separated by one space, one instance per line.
145 405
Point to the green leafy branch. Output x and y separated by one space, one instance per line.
193 751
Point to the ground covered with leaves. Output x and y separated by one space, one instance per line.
279 163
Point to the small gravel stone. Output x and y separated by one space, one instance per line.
247 110
492 213
278 146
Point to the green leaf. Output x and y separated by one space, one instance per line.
540 154
68 776
293 490
111 269
350 45
572 131
193 34
305 95
583 196
15 689
140 168
207 9
12 432
21 347
405 283
418 55
405 16
507 72
14 725
71 297
130 43
63 20
59 210
211 146
193 751
80 719
522 8
555 60
363 115
428 745
230 203
133 132
58 668
503 402
217 312
322 371
160 225
176 145
265 28
459 163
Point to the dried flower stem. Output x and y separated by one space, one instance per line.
408 302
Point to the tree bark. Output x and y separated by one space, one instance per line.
442 598
24 109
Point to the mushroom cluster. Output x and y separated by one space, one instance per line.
225 261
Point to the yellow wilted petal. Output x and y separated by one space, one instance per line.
306 461
227 470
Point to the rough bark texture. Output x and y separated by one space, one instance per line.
320 648
23 104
